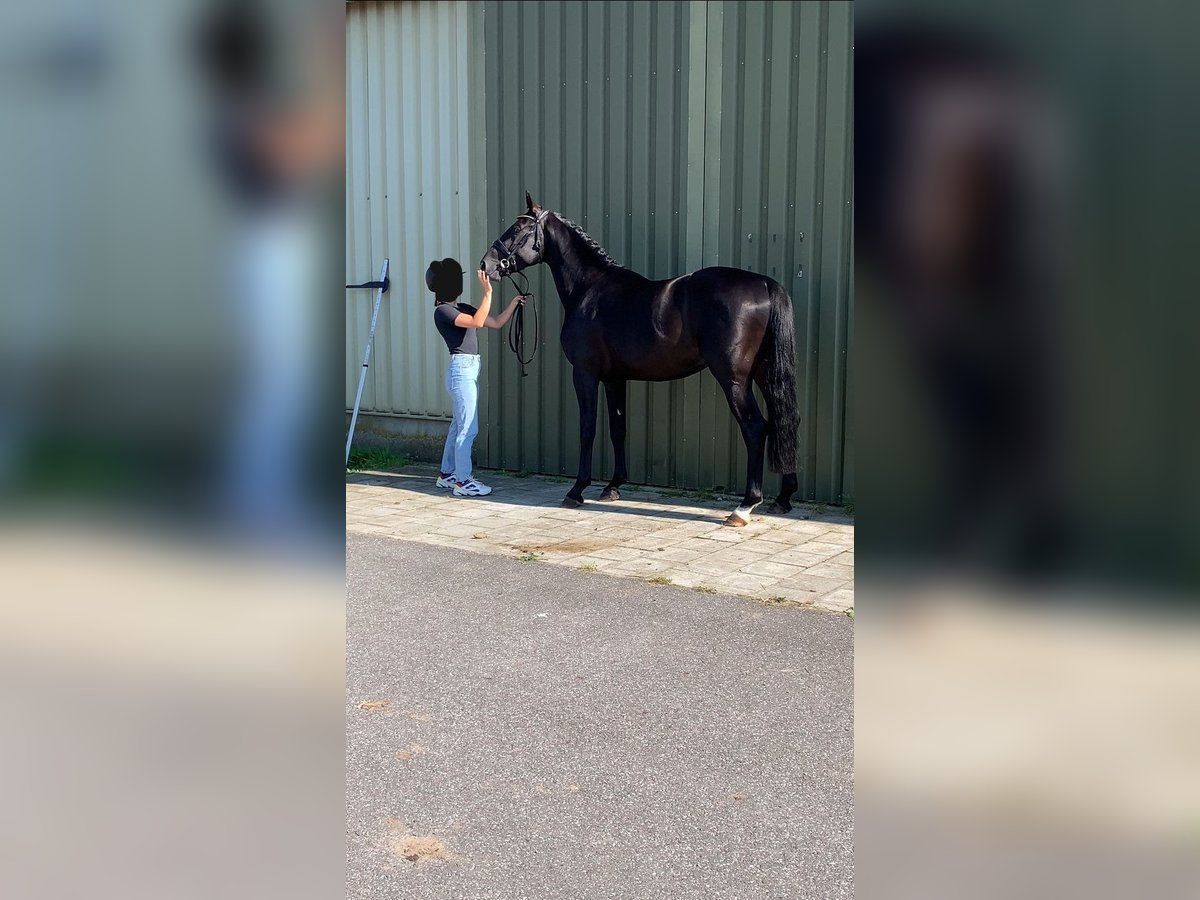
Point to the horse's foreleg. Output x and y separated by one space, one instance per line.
615 393
754 433
586 390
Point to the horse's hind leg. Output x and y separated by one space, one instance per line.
615 393
753 425
782 504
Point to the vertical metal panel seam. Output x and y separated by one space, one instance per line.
584 167
764 149
697 426
834 222
392 318
418 146
636 392
541 420
361 145
439 38
493 166
796 286
583 217
410 262
412 198
813 328
432 121
564 463
677 389
674 390
377 234
696 77
368 400
837 455
806 86
651 232
606 112
408 259
521 168
835 218
713 204
474 136
732 436
497 109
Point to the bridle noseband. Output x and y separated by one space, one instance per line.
507 256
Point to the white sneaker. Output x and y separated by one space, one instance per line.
446 481
471 488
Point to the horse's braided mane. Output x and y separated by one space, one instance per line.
590 241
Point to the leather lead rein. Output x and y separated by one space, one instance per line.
516 329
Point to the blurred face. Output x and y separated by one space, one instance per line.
451 283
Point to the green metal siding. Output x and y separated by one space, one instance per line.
679 135
409 168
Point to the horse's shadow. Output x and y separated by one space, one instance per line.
716 516
546 493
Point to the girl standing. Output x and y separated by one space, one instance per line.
458 324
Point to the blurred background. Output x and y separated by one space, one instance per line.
1022 183
171 237
1026 634
171 535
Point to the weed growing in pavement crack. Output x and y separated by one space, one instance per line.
375 458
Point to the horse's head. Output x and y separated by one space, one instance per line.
522 245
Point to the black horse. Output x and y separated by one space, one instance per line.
619 326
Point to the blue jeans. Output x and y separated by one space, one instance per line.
462 381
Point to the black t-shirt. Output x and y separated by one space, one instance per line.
458 340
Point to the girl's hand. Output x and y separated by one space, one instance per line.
484 282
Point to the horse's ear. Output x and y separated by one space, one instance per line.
529 202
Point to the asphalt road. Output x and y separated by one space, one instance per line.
570 735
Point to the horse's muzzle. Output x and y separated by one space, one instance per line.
494 272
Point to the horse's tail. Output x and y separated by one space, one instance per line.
778 383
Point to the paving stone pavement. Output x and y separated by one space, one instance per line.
804 559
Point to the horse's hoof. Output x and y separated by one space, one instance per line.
736 521
571 503
777 509
610 494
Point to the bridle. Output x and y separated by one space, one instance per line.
507 264
507 256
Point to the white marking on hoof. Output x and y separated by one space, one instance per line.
742 513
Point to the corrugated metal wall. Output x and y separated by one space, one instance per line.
679 135
410 141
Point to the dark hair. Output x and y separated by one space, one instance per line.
445 278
